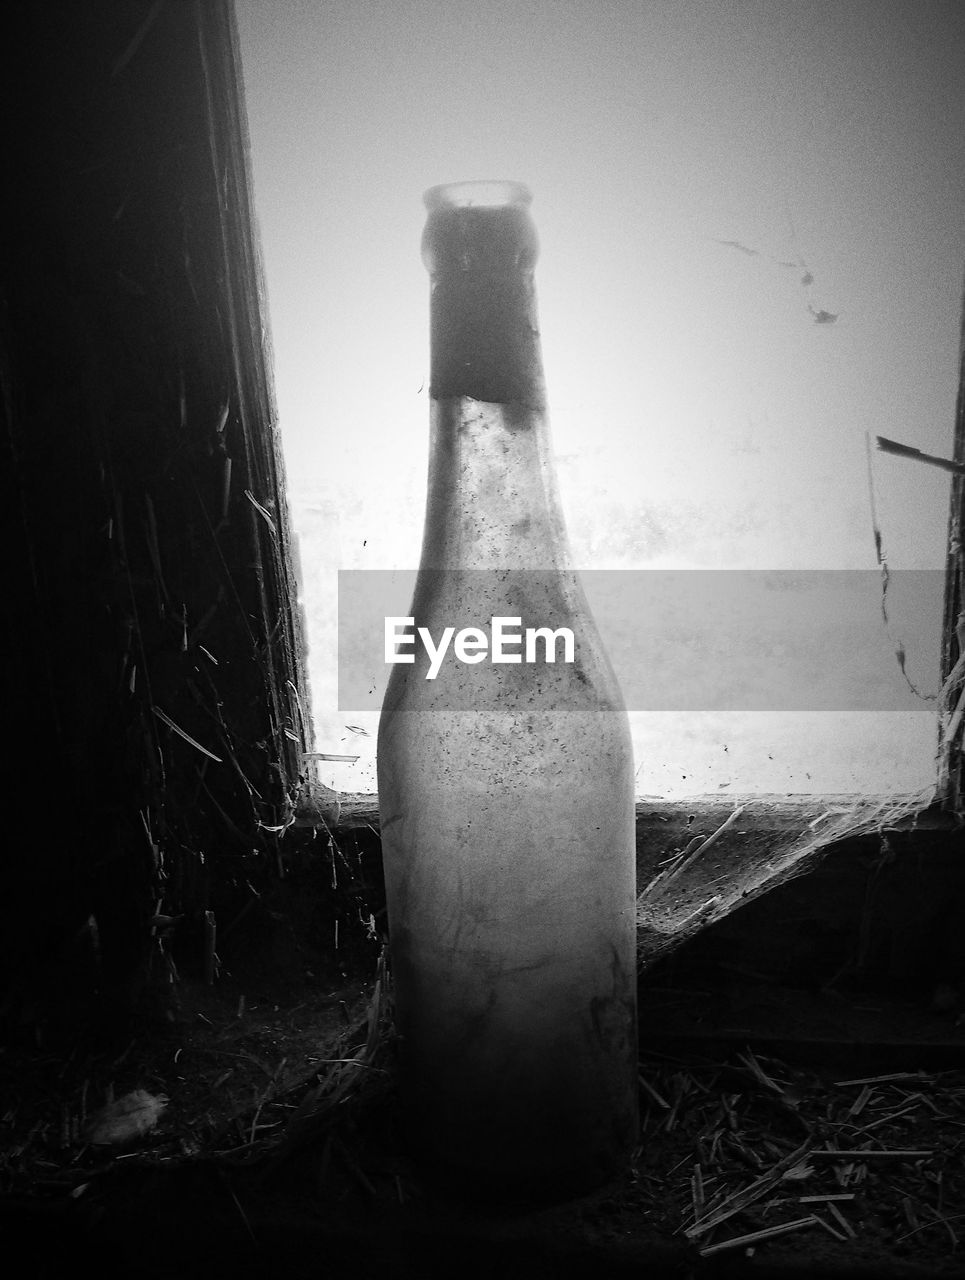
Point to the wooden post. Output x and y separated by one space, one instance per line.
952 701
155 693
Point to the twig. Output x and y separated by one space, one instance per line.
950 730
727 1104
210 956
895 1075
649 1089
845 1224
908 1209
907 451
891 1115
755 1237
829 1229
135 43
939 1219
704 845
264 1098
861 1101
697 1191
263 512
951 682
226 490
244 1216
741 1199
758 1072
153 546
697 911
872 1153
186 736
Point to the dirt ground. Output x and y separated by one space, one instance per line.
278 1152
250 1127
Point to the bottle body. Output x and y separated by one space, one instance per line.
506 787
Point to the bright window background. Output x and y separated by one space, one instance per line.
704 413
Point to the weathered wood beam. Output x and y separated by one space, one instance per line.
951 709
153 656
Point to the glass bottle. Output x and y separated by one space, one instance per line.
505 787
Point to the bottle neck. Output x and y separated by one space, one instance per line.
485 338
484 331
492 500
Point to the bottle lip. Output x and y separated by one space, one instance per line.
485 193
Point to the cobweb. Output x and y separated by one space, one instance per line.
695 888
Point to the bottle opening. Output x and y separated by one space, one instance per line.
481 193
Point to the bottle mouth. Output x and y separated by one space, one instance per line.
479 194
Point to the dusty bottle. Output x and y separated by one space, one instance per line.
505 784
